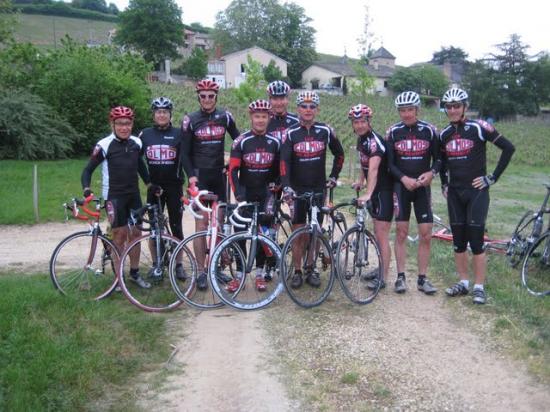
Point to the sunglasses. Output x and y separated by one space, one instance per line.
453 106
207 96
123 124
308 106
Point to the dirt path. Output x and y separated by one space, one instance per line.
409 352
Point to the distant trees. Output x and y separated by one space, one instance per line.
196 65
424 79
449 54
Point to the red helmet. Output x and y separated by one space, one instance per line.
121 112
207 85
360 110
259 106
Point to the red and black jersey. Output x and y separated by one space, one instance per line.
413 150
372 145
204 138
278 125
463 147
254 162
303 156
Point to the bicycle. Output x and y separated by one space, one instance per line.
535 272
204 242
527 232
83 264
245 293
315 261
359 260
153 251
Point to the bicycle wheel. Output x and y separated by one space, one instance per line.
521 240
159 296
83 266
229 256
358 260
188 291
338 227
535 273
312 258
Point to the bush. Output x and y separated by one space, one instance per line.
83 84
30 130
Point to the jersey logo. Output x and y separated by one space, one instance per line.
486 125
258 160
210 132
411 147
467 127
161 152
309 149
169 137
459 147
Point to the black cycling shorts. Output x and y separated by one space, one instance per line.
118 208
171 198
421 198
213 180
301 206
382 205
468 206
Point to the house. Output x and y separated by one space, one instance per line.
229 70
331 75
194 39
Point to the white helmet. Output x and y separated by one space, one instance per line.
455 95
406 99
307 97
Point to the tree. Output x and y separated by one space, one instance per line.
364 82
272 72
283 30
252 88
449 54
424 79
7 21
153 27
196 65
95 5
113 9
367 38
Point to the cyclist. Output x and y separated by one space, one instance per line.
378 192
280 119
162 148
463 144
303 158
414 159
120 154
253 166
203 155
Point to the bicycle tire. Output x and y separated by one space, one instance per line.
358 257
519 243
308 296
535 272
189 293
246 297
160 297
76 271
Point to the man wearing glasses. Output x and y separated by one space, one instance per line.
303 158
464 148
203 154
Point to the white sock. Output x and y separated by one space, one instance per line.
466 283
480 286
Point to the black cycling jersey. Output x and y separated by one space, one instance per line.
278 125
464 149
162 148
122 161
413 150
254 163
204 138
372 145
303 156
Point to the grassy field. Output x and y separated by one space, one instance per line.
47 31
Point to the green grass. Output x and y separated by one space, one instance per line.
59 354
39 30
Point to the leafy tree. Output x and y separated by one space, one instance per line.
283 30
364 82
196 65
153 27
272 72
253 86
7 21
449 54
423 79
95 5
113 9
21 65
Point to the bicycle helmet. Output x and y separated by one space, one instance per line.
307 96
359 111
121 112
406 99
259 106
455 95
278 88
161 103
207 85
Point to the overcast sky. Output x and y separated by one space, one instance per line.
410 30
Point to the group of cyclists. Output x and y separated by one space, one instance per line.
289 152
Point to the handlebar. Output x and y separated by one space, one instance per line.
83 203
236 215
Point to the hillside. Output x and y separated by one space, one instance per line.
47 31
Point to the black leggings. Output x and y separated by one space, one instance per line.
171 197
